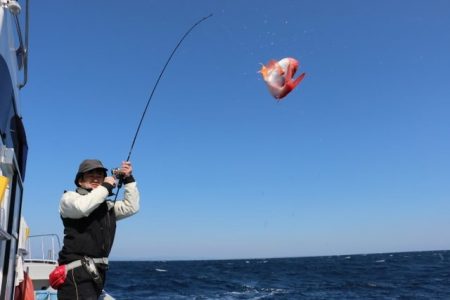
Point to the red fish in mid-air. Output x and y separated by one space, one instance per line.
278 76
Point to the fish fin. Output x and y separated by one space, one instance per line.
263 71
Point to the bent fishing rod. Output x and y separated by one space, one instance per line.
153 91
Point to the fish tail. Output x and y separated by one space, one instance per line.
298 80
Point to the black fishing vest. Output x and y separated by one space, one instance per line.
91 236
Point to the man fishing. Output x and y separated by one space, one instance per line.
89 220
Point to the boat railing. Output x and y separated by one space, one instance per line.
42 248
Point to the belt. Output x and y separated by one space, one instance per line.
77 263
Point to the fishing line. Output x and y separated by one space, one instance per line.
153 91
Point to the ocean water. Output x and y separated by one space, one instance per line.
409 275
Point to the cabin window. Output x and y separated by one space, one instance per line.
6 99
20 144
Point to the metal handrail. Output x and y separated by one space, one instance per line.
25 49
52 250
22 51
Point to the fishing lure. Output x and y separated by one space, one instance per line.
278 76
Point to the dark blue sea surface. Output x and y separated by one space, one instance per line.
409 275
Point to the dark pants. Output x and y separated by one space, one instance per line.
80 286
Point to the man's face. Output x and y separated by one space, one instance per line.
92 179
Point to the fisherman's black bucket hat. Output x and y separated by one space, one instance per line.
89 165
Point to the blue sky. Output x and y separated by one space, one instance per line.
355 160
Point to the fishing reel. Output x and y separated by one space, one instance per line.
117 173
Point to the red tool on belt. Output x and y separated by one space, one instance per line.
58 277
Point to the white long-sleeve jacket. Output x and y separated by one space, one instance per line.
76 206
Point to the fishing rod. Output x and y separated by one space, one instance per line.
151 96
